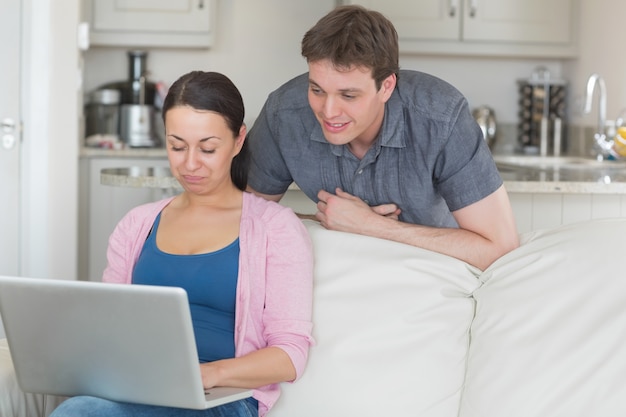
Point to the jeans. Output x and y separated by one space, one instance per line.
84 406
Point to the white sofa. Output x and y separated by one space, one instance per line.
406 332
14 402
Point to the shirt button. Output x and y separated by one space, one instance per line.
360 171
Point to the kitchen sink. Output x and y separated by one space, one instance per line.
556 162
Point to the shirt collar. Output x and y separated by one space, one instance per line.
393 123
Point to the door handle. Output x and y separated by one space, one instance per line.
473 8
7 125
452 7
7 128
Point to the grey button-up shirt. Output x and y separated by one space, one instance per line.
430 157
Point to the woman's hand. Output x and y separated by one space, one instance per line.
265 366
209 372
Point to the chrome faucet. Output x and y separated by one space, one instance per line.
602 146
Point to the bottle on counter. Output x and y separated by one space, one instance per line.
619 136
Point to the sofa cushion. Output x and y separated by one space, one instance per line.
391 323
549 337
13 401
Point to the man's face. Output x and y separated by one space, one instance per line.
346 102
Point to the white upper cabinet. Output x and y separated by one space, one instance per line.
141 23
541 28
518 21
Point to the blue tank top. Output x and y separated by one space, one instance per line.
210 280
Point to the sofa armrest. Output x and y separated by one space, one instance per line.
13 401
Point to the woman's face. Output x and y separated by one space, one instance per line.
201 148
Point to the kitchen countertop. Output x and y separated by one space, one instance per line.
590 177
608 179
540 182
86 152
155 177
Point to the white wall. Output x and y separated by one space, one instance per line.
258 46
493 81
484 81
50 149
602 46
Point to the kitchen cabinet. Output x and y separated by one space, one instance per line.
541 28
535 211
101 207
151 23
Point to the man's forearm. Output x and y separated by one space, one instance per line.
459 243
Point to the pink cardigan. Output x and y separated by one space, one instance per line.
275 285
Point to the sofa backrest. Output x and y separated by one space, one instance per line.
549 337
406 332
391 324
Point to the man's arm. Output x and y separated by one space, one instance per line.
486 230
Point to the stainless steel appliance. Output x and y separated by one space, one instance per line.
131 88
486 118
102 113
138 121
139 124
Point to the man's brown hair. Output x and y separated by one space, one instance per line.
353 36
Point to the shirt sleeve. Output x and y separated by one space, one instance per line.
268 172
465 170
289 289
119 257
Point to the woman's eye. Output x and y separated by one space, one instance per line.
208 151
176 149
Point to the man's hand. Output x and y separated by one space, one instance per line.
344 212
486 231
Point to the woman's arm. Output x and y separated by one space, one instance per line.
265 366
283 312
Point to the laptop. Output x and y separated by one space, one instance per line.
129 343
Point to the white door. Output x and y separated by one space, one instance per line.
10 133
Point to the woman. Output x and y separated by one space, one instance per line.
245 263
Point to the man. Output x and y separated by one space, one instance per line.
385 153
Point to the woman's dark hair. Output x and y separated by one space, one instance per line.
212 91
353 36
